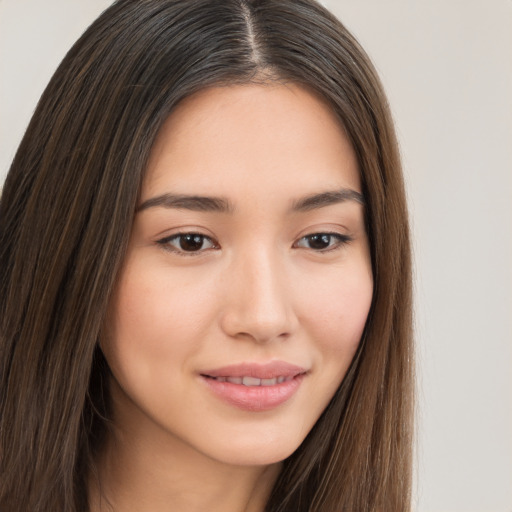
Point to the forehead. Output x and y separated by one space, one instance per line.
257 137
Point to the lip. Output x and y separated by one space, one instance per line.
255 398
258 370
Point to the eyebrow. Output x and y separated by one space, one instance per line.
221 205
323 199
186 202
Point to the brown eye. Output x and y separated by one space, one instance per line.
191 242
320 241
323 241
187 243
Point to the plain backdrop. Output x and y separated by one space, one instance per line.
447 69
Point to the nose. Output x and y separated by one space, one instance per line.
258 301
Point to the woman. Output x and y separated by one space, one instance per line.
205 297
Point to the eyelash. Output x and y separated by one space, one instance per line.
340 240
335 241
166 243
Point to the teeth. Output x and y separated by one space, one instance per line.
254 381
251 381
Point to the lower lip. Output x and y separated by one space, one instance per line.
254 398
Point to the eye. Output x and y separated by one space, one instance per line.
187 243
322 241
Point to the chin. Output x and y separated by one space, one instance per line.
259 450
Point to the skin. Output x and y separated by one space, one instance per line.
256 287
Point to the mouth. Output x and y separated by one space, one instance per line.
255 387
252 381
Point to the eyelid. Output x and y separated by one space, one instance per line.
164 242
342 240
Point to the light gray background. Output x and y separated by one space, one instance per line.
447 68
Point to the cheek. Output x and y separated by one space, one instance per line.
149 323
338 312
335 316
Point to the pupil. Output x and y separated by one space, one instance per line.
191 242
319 241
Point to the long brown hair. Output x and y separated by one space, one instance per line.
65 219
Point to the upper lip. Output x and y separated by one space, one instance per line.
269 370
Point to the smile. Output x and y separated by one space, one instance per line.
254 381
255 387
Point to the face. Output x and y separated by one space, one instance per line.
247 281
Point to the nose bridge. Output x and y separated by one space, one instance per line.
259 297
